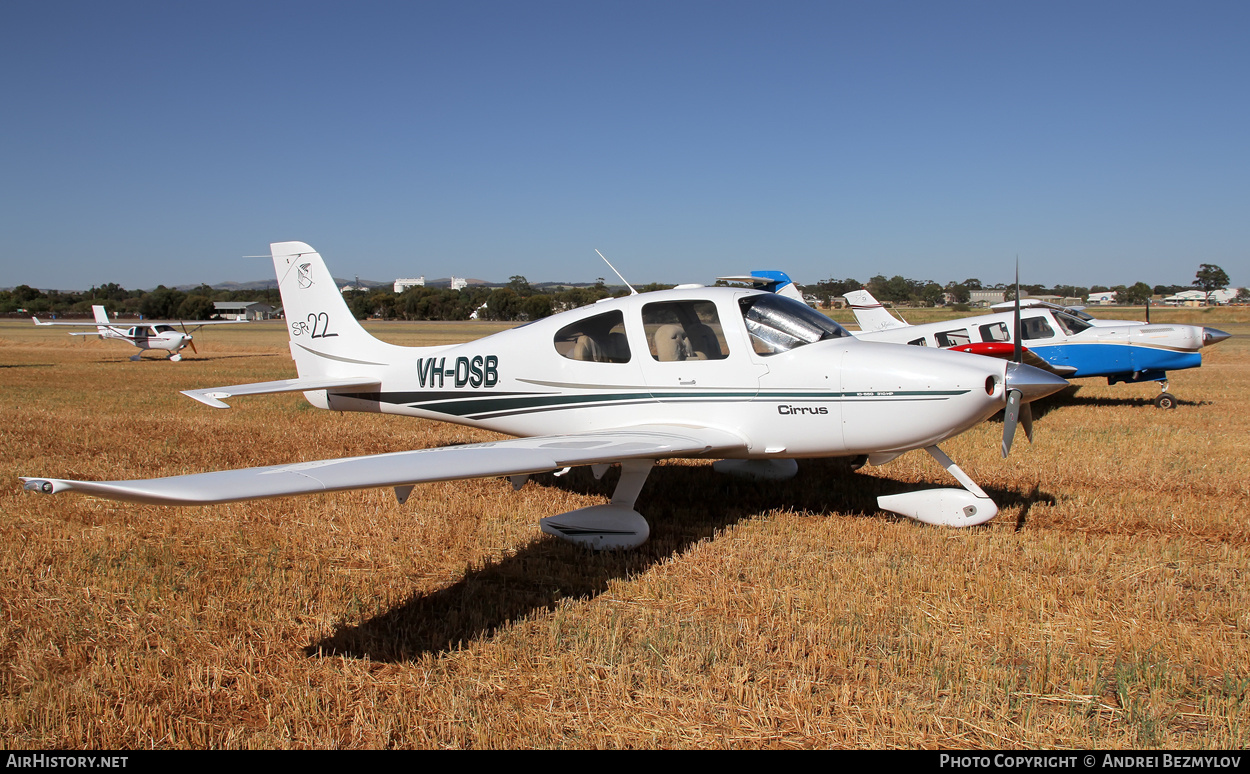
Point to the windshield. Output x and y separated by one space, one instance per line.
1071 325
779 324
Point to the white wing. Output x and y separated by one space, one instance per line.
213 396
83 324
503 458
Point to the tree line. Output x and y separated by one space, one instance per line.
910 292
516 301
519 300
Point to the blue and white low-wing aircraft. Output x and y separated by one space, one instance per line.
1070 346
746 377
149 334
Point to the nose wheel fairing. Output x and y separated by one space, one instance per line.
944 507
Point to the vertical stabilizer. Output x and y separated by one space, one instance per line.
870 314
102 320
326 339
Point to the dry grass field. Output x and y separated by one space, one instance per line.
1106 606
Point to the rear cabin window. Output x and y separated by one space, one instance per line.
779 324
598 339
684 330
921 342
1036 328
955 338
995 332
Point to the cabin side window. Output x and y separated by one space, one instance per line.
920 342
995 332
955 338
1036 328
684 330
598 339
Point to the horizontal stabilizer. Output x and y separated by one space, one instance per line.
213 396
518 456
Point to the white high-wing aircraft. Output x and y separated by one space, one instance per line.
743 376
1068 345
150 334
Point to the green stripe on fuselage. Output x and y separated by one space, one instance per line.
499 404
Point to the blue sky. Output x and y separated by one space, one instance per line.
155 143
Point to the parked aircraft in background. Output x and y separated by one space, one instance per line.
150 334
746 377
1072 347
1076 311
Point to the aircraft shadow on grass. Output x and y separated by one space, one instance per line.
1086 400
1070 397
685 505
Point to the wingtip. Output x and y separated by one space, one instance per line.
208 397
43 485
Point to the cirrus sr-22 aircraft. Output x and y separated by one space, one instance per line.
1066 344
746 377
149 334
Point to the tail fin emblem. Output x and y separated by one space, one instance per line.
305 281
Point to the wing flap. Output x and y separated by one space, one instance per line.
518 456
212 396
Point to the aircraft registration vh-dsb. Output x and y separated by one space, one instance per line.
749 378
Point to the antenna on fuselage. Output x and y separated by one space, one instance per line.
632 292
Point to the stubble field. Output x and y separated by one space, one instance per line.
1106 606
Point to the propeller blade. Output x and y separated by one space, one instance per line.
190 340
1016 354
1026 420
1011 417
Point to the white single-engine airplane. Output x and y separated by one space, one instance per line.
149 334
1069 346
743 376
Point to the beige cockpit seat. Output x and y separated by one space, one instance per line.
671 344
703 342
586 348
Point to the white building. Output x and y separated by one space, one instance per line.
403 284
1104 298
985 297
242 310
459 283
1198 298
